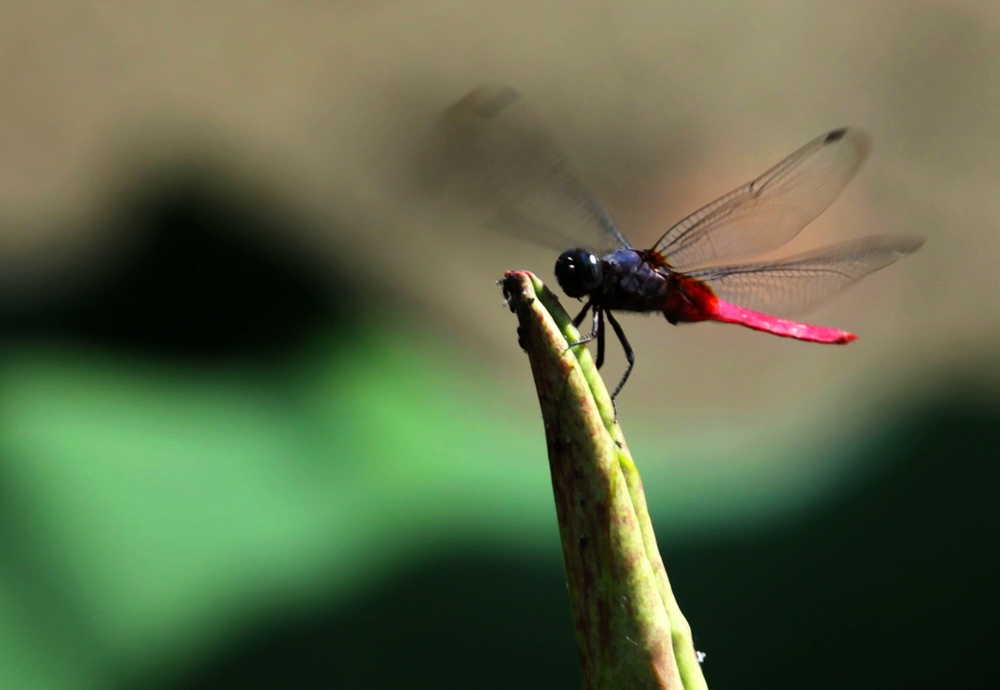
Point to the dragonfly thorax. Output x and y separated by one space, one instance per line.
579 272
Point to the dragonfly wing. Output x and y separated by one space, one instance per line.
791 285
500 152
772 209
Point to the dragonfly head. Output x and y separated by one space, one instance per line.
578 272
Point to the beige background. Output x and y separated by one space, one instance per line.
321 108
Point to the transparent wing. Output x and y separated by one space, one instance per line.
791 285
501 153
769 211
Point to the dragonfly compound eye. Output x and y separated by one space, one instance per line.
578 272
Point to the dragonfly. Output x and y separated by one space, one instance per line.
504 154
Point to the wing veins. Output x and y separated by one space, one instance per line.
770 210
799 281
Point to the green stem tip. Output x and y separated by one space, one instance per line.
629 628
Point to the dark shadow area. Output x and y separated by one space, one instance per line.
195 283
197 280
469 623
890 586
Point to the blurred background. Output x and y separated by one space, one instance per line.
264 421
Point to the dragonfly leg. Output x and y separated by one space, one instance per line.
597 326
599 329
629 354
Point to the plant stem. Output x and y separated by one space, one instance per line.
629 629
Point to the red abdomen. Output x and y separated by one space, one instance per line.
688 300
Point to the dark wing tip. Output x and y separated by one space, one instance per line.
835 136
487 100
851 138
910 244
